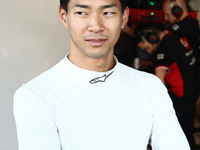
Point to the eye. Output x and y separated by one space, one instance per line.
81 13
109 13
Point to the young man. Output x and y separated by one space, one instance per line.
175 66
89 101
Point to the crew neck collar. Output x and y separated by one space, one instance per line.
84 76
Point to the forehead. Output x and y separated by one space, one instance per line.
94 3
166 6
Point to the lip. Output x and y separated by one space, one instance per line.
96 42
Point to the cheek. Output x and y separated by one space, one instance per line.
76 24
172 18
113 24
114 29
75 29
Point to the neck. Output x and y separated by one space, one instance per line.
185 14
103 64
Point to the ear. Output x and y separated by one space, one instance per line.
63 17
125 17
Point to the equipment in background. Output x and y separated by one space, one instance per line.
176 9
150 36
146 15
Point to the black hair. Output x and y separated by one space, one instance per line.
64 4
141 29
124 5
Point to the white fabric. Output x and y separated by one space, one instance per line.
61 109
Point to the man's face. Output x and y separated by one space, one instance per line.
150 48
94 26
167 12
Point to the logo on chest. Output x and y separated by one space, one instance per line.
100 79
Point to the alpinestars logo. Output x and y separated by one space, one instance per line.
100 79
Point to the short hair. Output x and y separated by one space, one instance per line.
64 4
141 29
181 3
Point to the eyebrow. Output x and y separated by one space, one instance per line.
101 7
83 6
108 6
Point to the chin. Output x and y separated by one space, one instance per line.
99 55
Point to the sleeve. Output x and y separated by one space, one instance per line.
36 129
166 130
163 58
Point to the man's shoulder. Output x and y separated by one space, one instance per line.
173 45
189 19
47 76
188 23
170 41
143 83
46 83
137 78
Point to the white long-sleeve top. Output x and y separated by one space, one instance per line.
70 108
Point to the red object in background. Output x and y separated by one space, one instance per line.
193 14
146 15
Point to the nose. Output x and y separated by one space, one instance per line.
95 23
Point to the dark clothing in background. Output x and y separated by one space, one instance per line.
132 3
189 28
185 114
125 49
176 55
145 56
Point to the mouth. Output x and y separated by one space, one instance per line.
96 42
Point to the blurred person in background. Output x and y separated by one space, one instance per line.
175 65
184 26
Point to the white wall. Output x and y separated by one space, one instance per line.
195 5
31 41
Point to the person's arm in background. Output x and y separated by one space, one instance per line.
160 73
